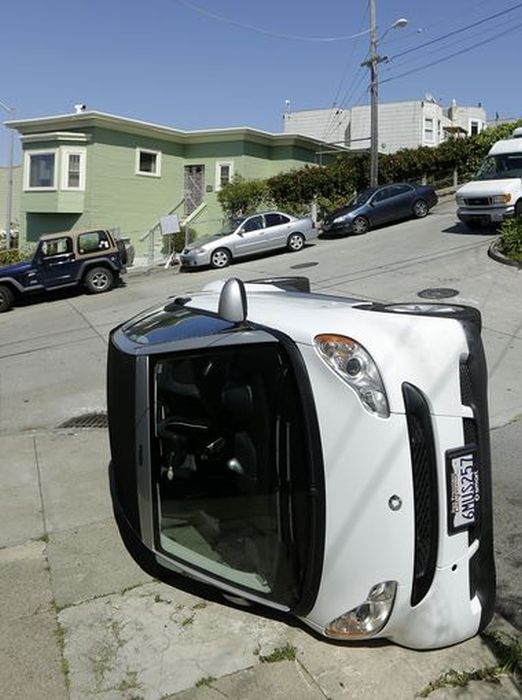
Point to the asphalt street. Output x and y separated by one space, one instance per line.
52 368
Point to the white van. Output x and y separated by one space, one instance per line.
495 193
320 455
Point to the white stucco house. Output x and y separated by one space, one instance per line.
401 124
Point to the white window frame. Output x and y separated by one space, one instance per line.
478 123
431 138
143 173
219 166
27 169
66 153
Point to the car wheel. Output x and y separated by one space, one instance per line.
456 311
6 298
420 209
518 209
360 225
295 242
98 280
220 258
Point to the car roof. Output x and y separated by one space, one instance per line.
74 234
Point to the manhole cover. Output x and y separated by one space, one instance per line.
88 420
438 293
302 266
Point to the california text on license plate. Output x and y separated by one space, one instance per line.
463 488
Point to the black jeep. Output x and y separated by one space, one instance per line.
91 259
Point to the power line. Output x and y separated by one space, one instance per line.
453 55
458 31
266 32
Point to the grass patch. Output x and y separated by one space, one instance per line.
508 650
205 682
510 241
286 653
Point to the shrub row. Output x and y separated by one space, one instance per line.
330 185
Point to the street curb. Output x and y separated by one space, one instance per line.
496 255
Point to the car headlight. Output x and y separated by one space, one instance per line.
368 618
460 201
341 219
502 199
350 361
198 251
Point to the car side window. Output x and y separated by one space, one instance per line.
401 189
57 246
275 220
252 224
92 242
383 194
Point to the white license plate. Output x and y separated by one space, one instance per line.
497 217
463 487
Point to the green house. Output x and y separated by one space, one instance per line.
94 169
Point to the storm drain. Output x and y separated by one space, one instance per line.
438 293
87 420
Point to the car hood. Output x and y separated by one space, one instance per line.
489 188
206 240
15 268
343 211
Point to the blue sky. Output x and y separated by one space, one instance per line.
163 61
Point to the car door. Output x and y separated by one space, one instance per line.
250 237
381 208
56 262
278 227
401 201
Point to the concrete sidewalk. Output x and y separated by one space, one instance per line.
79 620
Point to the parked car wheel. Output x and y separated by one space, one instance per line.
457 311
220 258
360 225
420 209
98 280
6 298
295 242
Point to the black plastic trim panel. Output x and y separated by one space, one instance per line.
425 490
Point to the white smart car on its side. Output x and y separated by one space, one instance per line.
321 455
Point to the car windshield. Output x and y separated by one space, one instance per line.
232 469
360 198
228 228
502 166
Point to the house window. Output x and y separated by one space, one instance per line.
224 173
148 162
73 170
474 127
428 129
40 170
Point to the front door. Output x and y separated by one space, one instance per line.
56 262
251 237
194 187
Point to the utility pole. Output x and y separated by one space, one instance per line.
9 202
372 63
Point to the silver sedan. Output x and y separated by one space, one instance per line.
254 234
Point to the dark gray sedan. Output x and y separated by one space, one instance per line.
381 205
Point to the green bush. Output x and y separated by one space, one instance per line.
331 185
510 242
14 255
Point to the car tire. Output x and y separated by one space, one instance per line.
420 209
220 258
295 242
6 298
98 280
360 225
518 209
